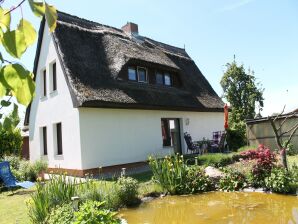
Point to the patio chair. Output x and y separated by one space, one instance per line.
9 180
218 142
190 144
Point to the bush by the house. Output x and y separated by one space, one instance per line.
10 142
24 169
232 181
128 191
279 181
292 150
236 138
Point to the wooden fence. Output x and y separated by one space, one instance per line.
259 131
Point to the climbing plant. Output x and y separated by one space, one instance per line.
15 80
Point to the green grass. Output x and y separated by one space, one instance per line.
13 207
292 160
245 148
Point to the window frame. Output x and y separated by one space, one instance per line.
146 74
162 77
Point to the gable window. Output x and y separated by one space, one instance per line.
132 74
142 74
59 139
44 140
54 77
44 83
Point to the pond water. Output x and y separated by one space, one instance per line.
216 207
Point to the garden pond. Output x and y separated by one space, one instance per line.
216 207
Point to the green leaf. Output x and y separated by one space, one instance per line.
14 43
51 16
5 103
4 19
20 81
28 31
38 8
2 89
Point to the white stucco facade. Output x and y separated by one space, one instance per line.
94 137
53 108
119 136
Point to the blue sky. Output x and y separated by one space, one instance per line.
263 34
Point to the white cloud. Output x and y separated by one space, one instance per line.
234 5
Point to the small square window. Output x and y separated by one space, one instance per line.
168 80
159 78
132 74
142 75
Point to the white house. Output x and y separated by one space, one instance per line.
108 97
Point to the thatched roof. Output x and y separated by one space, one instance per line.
92 55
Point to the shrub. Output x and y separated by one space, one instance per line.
265 161
10 142
232 181
128 190
236 138
63 214
91 212
24 169
196 181
279 180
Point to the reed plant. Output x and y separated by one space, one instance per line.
170 172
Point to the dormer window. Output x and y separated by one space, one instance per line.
168 80
142 74
138 74
132 74
163 78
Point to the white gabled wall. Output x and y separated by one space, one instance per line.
119 136
55 107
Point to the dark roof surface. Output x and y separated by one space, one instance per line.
93 54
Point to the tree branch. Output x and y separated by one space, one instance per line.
6 101
15 7
291 129
291 136
283 110
277 137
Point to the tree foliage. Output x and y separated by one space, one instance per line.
241 91
10 134
15 80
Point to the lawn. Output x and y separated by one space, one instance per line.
13 207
